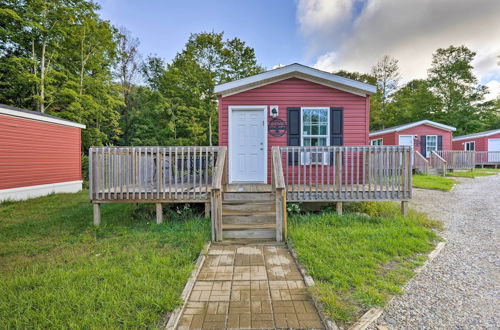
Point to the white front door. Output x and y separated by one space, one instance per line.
406 140
247 144
494 145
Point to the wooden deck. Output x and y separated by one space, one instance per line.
241 210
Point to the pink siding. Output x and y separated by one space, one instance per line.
392 138
296 92
34 153
481 142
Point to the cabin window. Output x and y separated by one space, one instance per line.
377 142
431 144
470 146
315 126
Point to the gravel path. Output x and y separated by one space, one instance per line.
460 289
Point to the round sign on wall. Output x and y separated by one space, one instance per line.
276 127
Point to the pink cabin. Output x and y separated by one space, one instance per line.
485 144
425 136
293 105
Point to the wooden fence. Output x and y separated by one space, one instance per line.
487 158
347 173
151 174
420 163
458 159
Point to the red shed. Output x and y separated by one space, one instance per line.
424 136
482 141
294 105
39 154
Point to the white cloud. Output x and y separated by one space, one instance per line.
493 90
409 30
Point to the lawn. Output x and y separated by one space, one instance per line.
360 261
433 182
470 174
59 271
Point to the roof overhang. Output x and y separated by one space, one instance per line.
476 135
410 125
33 115
295 71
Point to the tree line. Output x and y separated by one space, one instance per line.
60 57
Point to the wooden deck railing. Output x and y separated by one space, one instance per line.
152 174
347 173
458 159
216 195
437 162
279 187
420 163
487 158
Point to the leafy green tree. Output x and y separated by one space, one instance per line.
386 73
452 81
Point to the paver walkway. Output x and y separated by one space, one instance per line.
249 287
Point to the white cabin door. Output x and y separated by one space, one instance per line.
494 145
247 145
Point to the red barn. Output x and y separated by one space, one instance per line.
424 136
482 141
294 105
39 154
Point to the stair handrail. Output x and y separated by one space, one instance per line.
435 155
216 195
279 187
421 158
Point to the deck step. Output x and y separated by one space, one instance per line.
243 208
248 226
247 196
250 233
248 219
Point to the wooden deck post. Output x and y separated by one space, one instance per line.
97 214
404 208
207 209
339 208
159 213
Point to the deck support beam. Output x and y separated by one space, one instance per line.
339 208
97 214
207 209
159 213
404 208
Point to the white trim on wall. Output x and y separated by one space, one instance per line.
22 193
230 133
33 116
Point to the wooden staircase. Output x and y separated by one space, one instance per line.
249 212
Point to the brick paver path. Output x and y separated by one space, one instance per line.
249 287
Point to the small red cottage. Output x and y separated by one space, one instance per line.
39 154
482 141
424 136
294 105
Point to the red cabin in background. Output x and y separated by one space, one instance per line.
424 136
482 141
293 105
39 154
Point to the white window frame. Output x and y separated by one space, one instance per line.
380 140
306 156
473 143
427 151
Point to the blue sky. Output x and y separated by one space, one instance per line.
163 27
327 34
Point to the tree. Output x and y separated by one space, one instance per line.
452 81
127 71
386 72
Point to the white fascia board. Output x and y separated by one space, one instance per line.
33 116
410 125
476 135
289 71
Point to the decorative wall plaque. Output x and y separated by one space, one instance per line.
276 127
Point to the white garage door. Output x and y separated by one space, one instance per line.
494 145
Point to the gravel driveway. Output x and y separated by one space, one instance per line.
460 289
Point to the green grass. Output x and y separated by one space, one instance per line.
433 182
470 174
360 261
58 271
487 169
